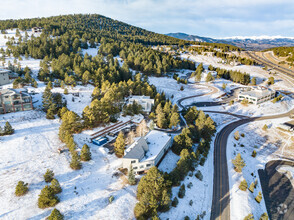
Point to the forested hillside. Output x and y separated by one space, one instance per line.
284 52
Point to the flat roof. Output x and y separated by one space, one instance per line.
156 141
257 92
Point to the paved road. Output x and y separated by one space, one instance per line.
221 194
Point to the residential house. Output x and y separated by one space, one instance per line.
147 151
14 100
144 101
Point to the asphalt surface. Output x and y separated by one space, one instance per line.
221 194
277 190
220 208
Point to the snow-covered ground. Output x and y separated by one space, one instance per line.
269 145
201 191
33 149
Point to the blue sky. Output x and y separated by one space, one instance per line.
211 18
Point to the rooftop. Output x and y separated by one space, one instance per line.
156 141
257 92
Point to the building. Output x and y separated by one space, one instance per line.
13 100
256 95
37 29
144 101
147 151
4 76
100 141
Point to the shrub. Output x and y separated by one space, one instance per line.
175 202
65 92
265 127
190 185
242 135
55 215
264 216
191 202
253 153
249 217
47 198
8 128
182 88
237 135
48 176
110 199
243 185
199 175
55 186
232 102
21 188
251 188
187 218
238 163
202 161
182 191
258 198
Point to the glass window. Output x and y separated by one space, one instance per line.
133 161
135 168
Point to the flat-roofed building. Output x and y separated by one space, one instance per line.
15 100
144 101
4 76
256 95
147 151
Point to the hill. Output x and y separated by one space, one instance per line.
248 43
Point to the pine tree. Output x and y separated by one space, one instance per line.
119 145
85 153
75 163
48 176
237 135
21 188
142 129
182 191
249 217
47 198
50 112
209 77
253 153
47 98
243 185
174 120
253 81
238 163
131 176
50 85
55 215
264 216
8 128
55 186
251 188
65 92
258 198
175 202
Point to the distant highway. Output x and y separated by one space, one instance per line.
266 62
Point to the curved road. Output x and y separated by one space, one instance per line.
220 208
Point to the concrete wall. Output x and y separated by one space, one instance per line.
4 78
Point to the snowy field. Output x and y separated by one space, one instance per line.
269 146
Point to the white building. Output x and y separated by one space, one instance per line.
144 101
4 76
147 151
256 95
